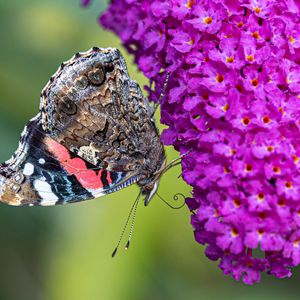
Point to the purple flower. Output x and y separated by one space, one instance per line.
182 41
233 99
208 18
85 2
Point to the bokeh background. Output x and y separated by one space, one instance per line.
65 252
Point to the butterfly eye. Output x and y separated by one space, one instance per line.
82 82
68 106
96 76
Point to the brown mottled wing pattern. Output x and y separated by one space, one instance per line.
92 107
94 134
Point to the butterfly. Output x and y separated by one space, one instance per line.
94 134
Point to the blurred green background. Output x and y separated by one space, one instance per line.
65 252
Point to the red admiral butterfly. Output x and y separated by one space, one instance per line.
94 134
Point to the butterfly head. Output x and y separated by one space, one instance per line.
149 184
150 193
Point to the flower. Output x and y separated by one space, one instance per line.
232 100
85 2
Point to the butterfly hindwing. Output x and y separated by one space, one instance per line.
43 172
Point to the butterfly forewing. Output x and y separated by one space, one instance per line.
93 108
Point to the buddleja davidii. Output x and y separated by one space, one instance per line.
233 99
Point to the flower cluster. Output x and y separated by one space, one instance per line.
85 2
233 99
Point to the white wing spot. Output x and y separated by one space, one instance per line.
28 169
43 188
42 161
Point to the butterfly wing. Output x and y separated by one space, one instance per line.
92 107
44 172
94 134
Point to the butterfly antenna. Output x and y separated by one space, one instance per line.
162 94
132 224
133 208
175 198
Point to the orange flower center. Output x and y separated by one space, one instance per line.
296 243
225 107
190 4
254 82
257 9
234 232
239 88
226 170
208 20
230 59
288 81
248 167
260 196
205 96
295 159
237 203
250 57
260 231
291 39
256 35
219 78
266 119
246 120
288 185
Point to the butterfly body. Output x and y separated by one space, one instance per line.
94 134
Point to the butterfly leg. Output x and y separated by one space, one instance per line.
173 163
162 94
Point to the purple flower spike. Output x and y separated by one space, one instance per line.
233 99
85 2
